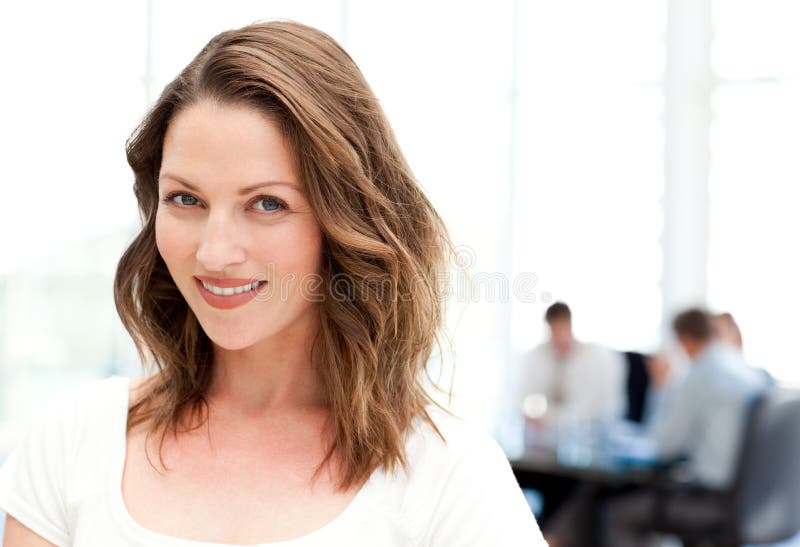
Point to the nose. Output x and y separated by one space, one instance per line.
220 246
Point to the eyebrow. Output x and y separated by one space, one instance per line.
242 191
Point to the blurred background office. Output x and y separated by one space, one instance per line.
630 158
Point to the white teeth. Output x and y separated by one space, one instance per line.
232 290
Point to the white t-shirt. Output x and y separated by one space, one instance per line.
64 483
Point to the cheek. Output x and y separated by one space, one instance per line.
312 251
294 253
171 242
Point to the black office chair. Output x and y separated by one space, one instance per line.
638 384
768 500
763 504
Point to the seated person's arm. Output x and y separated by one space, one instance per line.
673 429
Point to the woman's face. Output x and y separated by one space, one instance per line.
210 226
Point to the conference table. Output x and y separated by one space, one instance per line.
614 459
540 461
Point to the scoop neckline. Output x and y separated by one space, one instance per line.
123 516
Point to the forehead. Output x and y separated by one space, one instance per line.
222 145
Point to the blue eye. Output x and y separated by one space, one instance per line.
170 199
181 197
274 204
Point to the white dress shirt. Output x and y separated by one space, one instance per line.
586 384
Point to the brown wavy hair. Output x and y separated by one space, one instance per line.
372 347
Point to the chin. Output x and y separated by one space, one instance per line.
230 345
227 333
231 340
240 334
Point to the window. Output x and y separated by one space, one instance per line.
753 266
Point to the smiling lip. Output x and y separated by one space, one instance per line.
226 302
226 282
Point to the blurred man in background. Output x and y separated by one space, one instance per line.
667 369
566 381
702 419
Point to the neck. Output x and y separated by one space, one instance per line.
696 351
564 351
276 373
